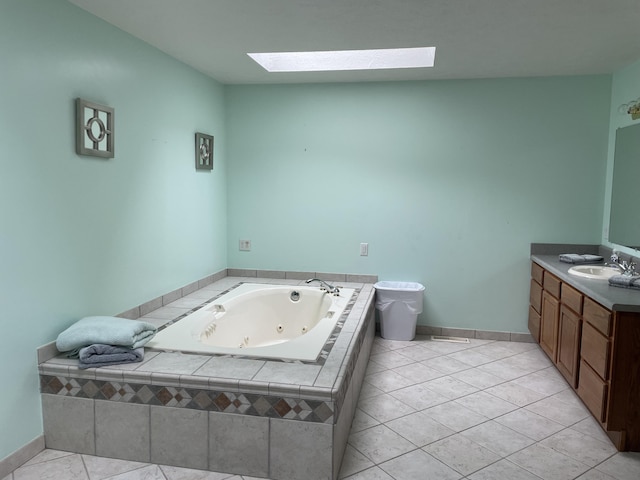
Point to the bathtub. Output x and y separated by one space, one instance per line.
257 320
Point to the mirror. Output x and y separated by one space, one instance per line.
624 221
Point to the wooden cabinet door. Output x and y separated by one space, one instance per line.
569 330
549 325
534 324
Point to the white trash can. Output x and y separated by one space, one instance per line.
399 304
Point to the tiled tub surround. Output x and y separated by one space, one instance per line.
266 418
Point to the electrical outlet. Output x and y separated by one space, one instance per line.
245 245
364 249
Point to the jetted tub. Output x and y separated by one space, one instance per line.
267 321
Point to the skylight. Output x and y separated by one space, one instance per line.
380 59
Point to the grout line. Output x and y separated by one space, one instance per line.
86 470
269 448
535 441
95 428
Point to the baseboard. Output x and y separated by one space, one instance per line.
479 334
21 456
281 274
470 333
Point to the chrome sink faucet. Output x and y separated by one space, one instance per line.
325 286
627 268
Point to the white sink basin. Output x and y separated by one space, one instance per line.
595 272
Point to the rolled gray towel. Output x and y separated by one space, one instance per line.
577 258
626 281
99 355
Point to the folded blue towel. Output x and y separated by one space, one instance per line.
104 330
98 355
626 281
577 258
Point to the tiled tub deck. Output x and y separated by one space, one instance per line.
264 418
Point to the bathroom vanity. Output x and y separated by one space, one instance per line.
591 332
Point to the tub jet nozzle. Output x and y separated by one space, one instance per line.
210 329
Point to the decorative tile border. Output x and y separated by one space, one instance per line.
191 398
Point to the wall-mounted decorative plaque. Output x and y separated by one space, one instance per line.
94 129
204 152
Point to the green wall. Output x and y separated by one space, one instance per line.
80 235
448 181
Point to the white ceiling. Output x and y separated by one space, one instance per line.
473 38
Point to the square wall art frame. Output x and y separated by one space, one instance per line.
204 151
94 129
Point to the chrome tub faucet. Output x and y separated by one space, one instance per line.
325 286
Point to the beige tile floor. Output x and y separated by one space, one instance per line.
433 410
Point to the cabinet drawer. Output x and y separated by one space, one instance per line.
572 298
551 284
535 296
597 315
537 272
534 324
593 391
595 350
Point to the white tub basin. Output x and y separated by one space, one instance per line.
595 272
